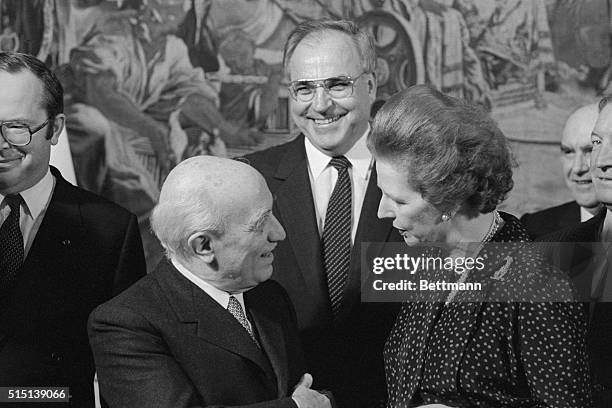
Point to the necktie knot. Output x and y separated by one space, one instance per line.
13 201
340 163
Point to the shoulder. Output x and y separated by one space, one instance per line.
267 160
91 207
587 231
552 219
141 299
143 294
552 212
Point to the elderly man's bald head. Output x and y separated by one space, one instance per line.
576 155
199 194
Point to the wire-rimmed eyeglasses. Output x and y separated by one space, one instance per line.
18 134
339 87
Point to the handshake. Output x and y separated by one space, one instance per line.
305 397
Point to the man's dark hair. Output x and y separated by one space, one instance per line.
363 41
53 92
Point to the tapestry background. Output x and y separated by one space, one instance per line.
149 83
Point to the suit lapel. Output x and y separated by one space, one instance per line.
53 256
568 217
51 264
580 254
370 229
296 208
272 341
59 231
213 323
574 218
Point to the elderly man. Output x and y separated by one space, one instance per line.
326 194
575 158
207 327
63 250
589 265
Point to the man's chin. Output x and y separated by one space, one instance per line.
265 273
590 204
9 181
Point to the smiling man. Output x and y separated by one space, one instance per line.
63 250
589 265
324 182
207 327
575 159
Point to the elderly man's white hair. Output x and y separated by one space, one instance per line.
191 199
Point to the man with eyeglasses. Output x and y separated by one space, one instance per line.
63 250
326 194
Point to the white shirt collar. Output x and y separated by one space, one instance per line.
585 215
220 296
359 156
37 196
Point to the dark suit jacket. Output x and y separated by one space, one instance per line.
552 219
343 356
86 250
576 260
165 343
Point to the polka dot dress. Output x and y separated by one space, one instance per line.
492 354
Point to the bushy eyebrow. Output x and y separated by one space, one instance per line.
258 221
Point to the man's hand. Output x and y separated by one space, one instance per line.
304 397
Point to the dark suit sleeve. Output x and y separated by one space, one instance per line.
131 265
135 369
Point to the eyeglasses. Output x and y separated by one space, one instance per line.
339 87
18 134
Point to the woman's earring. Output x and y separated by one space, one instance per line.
446 217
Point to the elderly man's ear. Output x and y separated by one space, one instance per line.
201 245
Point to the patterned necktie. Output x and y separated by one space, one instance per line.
11 245
235 309
337 234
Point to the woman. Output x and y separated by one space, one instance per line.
443 167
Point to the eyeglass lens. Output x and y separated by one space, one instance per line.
18 135
336 87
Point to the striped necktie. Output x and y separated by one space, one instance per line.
337 234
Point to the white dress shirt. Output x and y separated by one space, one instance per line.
585 215
34 204
323 179
220 296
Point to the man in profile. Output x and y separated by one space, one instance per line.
585 253
575 160
207 327
63 250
